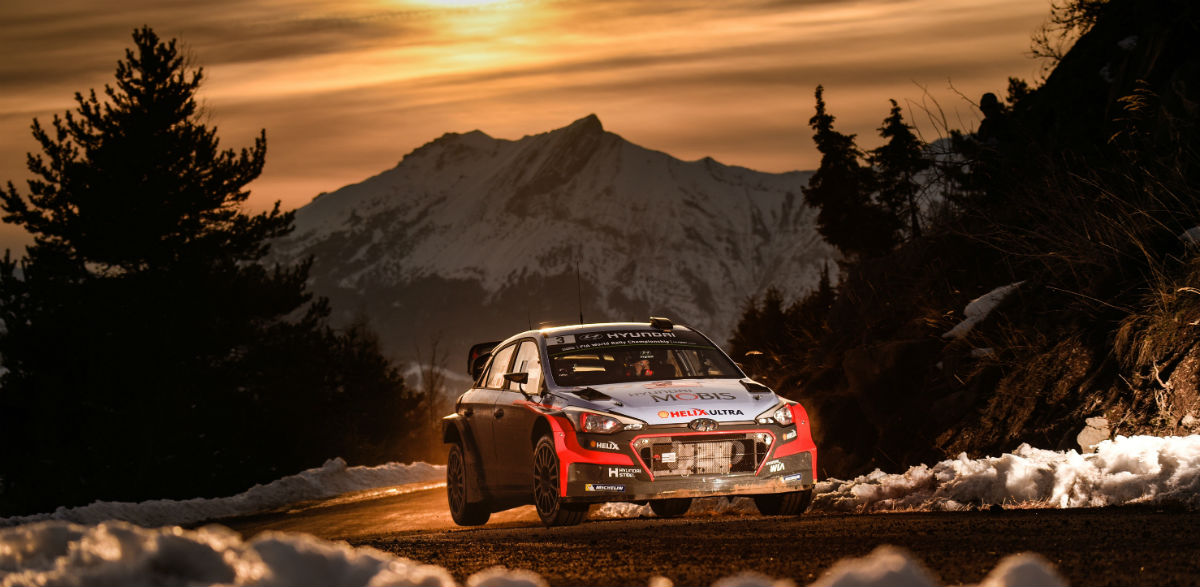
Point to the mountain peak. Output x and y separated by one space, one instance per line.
588 124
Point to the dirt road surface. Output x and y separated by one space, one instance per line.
1108 546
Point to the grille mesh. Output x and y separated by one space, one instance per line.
704 457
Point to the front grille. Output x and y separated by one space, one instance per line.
683 457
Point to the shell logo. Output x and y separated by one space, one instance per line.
664 414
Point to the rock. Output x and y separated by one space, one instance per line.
1094 432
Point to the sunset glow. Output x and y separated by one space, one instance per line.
345 89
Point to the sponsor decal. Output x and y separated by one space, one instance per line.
665 414
602 487
662 384
794 477
789 435
688 395
622 472
668 457
594 337
639 334
559 340
603 445
774 466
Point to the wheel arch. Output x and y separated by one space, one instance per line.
541 427
453 432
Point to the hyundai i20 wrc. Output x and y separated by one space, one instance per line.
655 413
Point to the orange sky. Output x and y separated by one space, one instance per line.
345 88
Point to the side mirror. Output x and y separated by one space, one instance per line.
520 378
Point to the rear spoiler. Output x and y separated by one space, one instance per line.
477 357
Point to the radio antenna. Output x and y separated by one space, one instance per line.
578 287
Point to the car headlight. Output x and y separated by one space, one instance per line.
781 415
599 423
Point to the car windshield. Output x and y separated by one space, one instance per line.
620 357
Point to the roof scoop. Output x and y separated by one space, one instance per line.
754 386
593 395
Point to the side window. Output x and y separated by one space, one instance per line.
529 362
495 376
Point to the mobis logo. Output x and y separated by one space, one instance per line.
687 396
693 413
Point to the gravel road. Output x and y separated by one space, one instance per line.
1109 546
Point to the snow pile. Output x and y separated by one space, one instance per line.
1140 469
119 553
890 565
979 308
332 478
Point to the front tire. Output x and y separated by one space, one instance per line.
671 508
463 512
546 497
783 504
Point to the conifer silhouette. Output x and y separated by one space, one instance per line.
149 351
898 163
841 190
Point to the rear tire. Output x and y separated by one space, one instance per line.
783 504
671 508
546 490
463 512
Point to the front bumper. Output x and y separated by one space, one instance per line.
643 465
588 483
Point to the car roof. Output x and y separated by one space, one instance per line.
604 327
594 327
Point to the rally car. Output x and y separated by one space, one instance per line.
655 413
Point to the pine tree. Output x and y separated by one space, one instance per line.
841 190
149 352
898 163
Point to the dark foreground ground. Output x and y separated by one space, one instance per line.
1110 546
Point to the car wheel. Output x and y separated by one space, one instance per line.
550 506
671 508
783 504
463 512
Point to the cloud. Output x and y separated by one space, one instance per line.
344 89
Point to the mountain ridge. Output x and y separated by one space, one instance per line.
499 218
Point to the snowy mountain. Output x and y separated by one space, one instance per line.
473 238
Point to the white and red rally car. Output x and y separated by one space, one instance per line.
622 412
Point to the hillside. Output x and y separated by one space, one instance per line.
1077 196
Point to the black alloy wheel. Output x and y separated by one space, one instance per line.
783 504
463 512
550 506
671 508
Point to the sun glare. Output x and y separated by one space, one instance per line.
458 3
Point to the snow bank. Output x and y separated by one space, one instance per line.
979 308
1141 469
893 566
119 553
332 478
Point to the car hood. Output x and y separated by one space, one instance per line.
680 401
